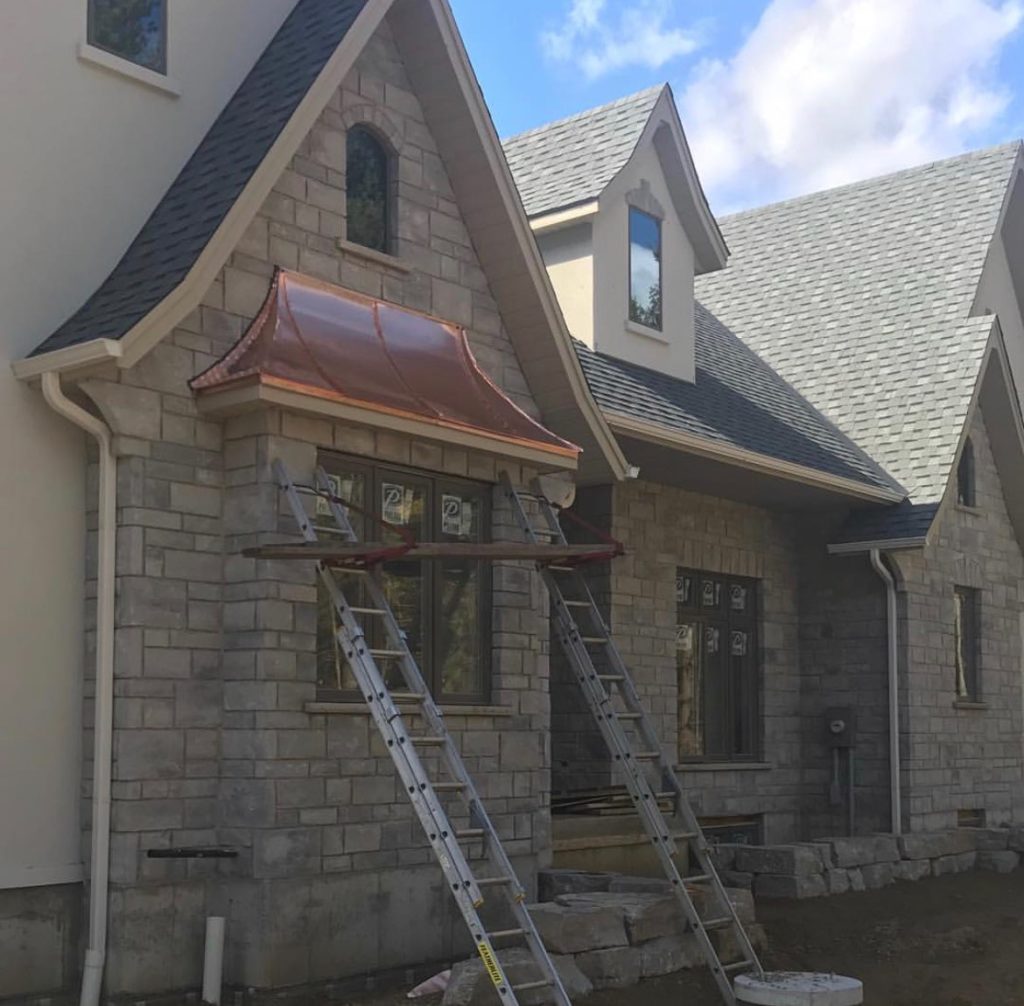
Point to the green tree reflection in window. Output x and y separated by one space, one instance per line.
135 30
368 184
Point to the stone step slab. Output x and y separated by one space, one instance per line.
552 883
936 844
669 954
646 916
616 968
782 860
912 869
878 875
770 885
470 985
863 850
578 926
998 861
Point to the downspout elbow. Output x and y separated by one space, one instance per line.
892 649
95 955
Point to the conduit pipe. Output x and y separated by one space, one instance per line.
892 627
96 950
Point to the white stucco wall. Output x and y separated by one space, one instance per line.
568 255
672 350
87 153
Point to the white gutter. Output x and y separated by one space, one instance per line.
892 626
95 954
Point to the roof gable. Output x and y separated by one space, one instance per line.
572 160
860 298
192 209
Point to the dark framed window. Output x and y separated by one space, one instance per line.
135 30
644 269
368 184
967 642
965 488
443 607
717 666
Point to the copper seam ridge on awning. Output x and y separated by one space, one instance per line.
314 338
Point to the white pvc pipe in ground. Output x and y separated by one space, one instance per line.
213 960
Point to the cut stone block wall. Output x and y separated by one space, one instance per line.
959 757
214 741
665 528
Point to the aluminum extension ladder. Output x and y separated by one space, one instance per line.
425 794
570 592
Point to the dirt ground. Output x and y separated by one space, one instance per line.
951 941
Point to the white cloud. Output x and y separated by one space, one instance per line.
596 41
824 92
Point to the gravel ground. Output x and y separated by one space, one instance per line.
949 941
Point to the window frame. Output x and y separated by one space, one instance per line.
90 37
390 188
435 486
967 643
727 716
966 482
659 254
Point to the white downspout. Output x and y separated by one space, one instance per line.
95 954
892 626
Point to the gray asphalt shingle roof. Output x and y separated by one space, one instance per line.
200 197
737 399
860 297
572 160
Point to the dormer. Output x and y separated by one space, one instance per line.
622 223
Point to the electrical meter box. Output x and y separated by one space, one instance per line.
841 727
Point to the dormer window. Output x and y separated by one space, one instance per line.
135 30
965 488
368 182
644 269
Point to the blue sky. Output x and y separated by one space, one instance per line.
778 97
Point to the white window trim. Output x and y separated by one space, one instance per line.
646 331
89 53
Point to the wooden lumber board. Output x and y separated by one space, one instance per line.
354 551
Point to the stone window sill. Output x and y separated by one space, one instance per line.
370 255
725 766
970 704
648 333
360 709
126 68
974 511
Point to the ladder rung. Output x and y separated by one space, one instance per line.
493 881
594 640
647 755
428 742
697 878
725 920
561 569
630 716
577 604
368 611
610 677
449 787
504 934
388 653
737 965
542 983
470 833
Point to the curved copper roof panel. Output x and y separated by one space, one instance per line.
318 339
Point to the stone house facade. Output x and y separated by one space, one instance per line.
225 734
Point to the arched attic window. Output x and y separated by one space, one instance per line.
368 184
965 488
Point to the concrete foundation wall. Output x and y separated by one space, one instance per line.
40 928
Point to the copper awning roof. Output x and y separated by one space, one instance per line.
328 343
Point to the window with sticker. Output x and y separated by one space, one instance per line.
444 606
717 666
